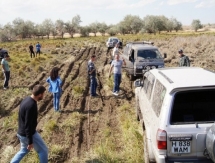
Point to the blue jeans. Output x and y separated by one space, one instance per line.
117 81
6 78
93 85
39 146
56 100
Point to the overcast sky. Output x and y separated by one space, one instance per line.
108 11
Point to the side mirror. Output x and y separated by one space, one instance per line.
138 83
164 55
131 59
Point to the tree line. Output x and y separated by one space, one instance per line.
131 24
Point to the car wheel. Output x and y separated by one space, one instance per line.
138 112
131 77
146 154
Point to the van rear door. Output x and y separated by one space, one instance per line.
192 114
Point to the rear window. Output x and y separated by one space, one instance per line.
193 107
148 54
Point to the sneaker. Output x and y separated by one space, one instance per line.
115 93
5 88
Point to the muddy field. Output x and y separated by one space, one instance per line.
72 134
93 113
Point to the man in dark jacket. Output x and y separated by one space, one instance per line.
31 50
27 134
184 60
92 75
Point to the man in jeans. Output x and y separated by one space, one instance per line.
27 123
92 75
38 46
6 70
116 65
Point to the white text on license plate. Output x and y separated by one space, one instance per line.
181 146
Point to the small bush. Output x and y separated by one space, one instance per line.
51 126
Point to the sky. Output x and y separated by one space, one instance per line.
108 11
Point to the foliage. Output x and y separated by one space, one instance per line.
196 24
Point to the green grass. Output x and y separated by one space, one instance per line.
124 145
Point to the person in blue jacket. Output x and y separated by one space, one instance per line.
55 84
38 46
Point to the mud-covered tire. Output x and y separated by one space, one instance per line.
138 112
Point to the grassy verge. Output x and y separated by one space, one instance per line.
124 144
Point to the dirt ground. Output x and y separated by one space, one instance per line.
96 112
89 115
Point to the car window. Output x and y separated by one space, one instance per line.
148 54
193 107
148 85
158 97
115 40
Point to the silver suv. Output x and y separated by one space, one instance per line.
141 56
112 41
176 107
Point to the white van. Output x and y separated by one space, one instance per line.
176 107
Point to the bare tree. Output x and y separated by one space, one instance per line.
60 26
47 26
74 25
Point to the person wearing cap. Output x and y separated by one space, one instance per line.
6 70
184 60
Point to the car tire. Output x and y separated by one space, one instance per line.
131 77
138 112
145 148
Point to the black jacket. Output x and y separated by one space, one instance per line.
28 118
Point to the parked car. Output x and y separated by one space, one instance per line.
112 41
141 56
176 107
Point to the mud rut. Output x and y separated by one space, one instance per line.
97 112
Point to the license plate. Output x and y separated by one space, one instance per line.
181 146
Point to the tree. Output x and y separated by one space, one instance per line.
47 25
73 26
7 33
130 24
112 30
149 23
18 25
102 27
60 26
94 27
176 24
84 31
196 24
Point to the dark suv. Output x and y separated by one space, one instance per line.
141 56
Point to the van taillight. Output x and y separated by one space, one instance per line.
161 139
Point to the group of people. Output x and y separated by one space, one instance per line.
27 119
116 67
28 111
31 50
